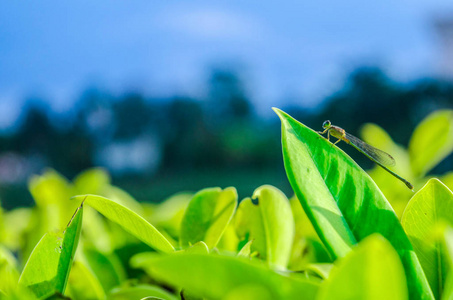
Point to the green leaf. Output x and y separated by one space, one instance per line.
249 292
340 199
48 267
322 270
245 251
431 141
447 240
51 192
307 247
83 283
371 271
213 276
169 213
129 221
207 216
106 267
92 181
15 226
429 206
197 248
269 223
10 276
229 240
139 292
122 197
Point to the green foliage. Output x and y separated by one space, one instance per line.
217 275
342 202
430 143
140 292
337 238
46 271
207 216
130 221
372 270
269 224
429 207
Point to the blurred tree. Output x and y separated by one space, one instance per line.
132 116
36 134
228 100
189 143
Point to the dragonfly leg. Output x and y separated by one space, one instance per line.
322 132
337 141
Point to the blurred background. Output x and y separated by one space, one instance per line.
173 96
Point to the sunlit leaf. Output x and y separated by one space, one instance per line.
307 247
197 248
371 271
139 292
106 268
15 224
169 213
48 267
92 181
246 250
342 202
447 179
322 270
431 141
429 206
214 276
83 283
9 289
249 292
129 220
207 216
447 241
51 192
229 240
269 223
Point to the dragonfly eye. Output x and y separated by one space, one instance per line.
326 124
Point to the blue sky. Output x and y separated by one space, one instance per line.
284 50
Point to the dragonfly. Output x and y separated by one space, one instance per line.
380 157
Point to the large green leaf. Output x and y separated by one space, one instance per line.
106 267
447 242
431 141
214 276
47 269
249 292
207 216
139 292
340 199
269 223
372 271
429 206
83 283
129 220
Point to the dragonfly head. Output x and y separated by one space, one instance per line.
326 124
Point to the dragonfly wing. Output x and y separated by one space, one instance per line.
370 151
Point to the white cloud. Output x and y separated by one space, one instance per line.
212 23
